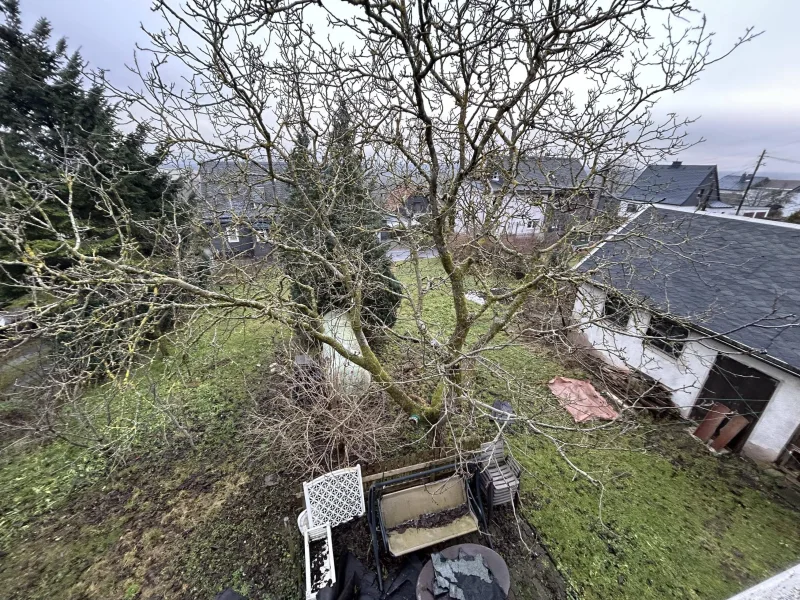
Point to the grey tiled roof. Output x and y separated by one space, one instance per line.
237 190
734 276
738 183
674 184
545 172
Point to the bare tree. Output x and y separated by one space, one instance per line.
461 99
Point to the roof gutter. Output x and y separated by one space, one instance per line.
744 348
719 337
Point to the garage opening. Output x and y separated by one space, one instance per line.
737 395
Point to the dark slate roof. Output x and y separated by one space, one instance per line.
734 276
543 172
674 184
738 183
237 190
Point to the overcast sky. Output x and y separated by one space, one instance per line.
749 102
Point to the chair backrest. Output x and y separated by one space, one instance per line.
335 497
492 453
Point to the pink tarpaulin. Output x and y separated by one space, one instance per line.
581 400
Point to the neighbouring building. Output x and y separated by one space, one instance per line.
402 208
237 202
540 195
406 201
687 186
708 305
766 196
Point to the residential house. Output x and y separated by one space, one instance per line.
766 196
707 305
688 186
402 208
237 201
538 196
406 201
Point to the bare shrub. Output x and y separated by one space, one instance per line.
313 428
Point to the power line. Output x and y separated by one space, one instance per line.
788 160
786 144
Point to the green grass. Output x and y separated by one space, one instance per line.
184 519
67 521
675 522
669 519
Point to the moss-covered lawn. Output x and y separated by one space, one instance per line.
184 520
669 520
181 518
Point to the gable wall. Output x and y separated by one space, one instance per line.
686 375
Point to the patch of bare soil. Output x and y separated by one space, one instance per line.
175 528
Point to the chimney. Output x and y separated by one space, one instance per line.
743 178
676 164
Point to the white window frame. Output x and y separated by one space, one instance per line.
667 336
232 234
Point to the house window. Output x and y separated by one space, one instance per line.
531 223
666 335
632 207
232 234
616 310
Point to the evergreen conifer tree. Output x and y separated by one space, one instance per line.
338 186
49 119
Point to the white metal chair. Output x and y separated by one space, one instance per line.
335 497
331 499
499 474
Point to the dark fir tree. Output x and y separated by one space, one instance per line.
338 186
48 117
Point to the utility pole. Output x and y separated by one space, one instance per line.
749 183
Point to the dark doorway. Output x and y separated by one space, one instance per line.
744 390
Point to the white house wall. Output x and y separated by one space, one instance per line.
515 216
782 416
686 375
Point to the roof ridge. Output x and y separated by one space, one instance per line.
768 222
670 166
